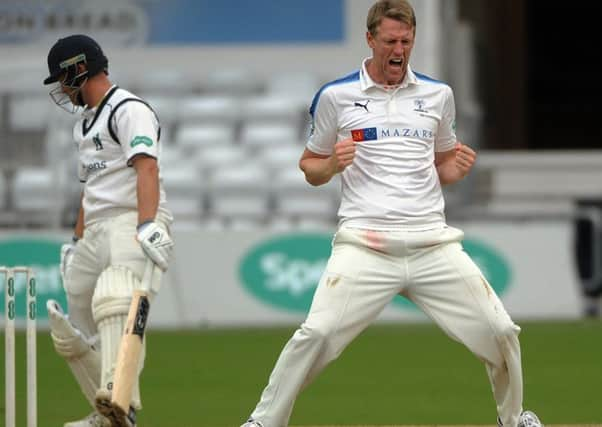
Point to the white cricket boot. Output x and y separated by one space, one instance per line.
525 419
252 423
92 420
529 419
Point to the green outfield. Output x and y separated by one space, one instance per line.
391 375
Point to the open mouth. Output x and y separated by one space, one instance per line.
397 63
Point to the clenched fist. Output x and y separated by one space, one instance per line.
343 154
465 158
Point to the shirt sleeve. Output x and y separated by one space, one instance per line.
446 133
137 128
323 133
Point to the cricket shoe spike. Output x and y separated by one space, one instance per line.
252 423
92 420
116 416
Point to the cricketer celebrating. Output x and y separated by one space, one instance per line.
390 133
122 223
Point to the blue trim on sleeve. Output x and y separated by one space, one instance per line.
420 76
355 76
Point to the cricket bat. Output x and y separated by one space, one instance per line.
128 357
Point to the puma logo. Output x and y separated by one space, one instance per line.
364 106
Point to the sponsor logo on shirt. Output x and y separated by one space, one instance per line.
95 166
425 134
366 134
372 134
141 140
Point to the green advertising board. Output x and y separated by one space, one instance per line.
284 272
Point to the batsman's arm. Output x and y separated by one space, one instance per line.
147 187
153 237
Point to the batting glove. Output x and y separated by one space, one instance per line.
156 243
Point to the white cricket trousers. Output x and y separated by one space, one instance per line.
365 271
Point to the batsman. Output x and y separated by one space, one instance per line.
122 226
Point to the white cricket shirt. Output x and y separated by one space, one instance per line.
392 182
105 153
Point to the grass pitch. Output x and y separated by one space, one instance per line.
410 374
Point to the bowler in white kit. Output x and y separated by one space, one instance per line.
123 221
390 133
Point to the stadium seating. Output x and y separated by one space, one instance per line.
35 195
299 200
157 80
240 193
277 107
220 156
261 134
208 109
184 189
233 81
300 86
280 157
29 112
192 137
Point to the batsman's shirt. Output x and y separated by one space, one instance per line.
108 137
392 182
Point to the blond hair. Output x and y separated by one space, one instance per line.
399 10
